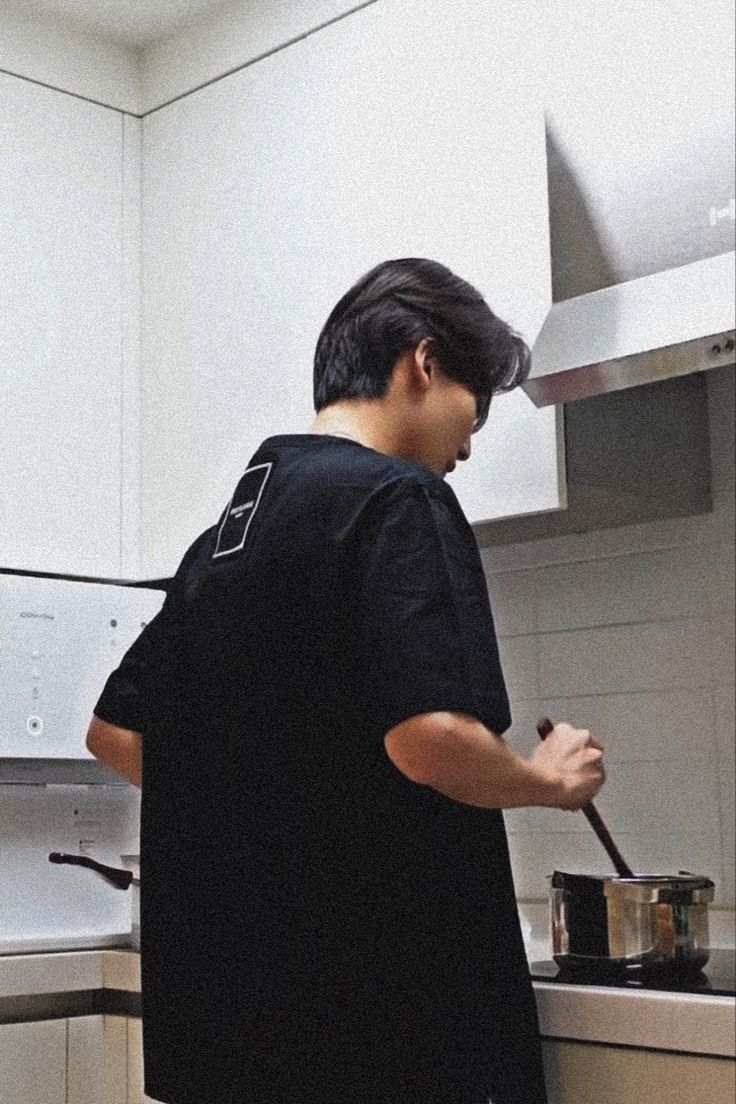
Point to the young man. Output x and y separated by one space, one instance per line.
328 914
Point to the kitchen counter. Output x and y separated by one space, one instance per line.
53 985
107 981
690 1023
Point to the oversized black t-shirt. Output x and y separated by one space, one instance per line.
315 925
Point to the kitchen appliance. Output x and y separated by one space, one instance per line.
642 206
648 921
59 641
128 878
717 977
653 328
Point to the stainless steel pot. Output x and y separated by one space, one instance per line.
650 921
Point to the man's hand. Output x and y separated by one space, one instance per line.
575 757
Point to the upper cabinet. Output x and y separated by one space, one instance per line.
61 332
407 128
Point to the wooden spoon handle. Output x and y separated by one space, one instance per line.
544 727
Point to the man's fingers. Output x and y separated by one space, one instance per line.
589 738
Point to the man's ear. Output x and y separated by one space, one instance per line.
425 360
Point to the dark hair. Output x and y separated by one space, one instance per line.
391 309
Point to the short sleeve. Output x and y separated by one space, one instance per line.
425 621
133 691
143 684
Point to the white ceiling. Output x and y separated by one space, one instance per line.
129 22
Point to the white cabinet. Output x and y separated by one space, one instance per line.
82 1060
136 1094
405 129
33 1063
97 1060
579 1073
401 129
61 331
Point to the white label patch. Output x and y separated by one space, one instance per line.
240 510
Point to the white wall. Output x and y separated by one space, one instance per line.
631 632
93 63
232 36
66 57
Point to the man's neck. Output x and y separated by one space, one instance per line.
360 420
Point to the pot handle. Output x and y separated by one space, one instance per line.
121 879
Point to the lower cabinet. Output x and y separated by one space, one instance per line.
97 1060
136 1094
585 1073
33 1063
105 1064
80 1060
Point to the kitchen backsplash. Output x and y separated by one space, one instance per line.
630 632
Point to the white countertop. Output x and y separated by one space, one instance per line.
694 1023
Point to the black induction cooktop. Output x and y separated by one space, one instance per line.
717 977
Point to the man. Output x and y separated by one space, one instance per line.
328 914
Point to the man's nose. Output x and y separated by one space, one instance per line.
464 450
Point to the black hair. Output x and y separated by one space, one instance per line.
394 307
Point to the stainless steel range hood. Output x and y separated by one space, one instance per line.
640 156
653 328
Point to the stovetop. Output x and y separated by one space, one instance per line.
718 976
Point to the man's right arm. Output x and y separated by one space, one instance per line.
458 756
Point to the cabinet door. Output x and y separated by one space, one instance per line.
408 128
136 1094
60 332
33 1063
97 1060
578 1073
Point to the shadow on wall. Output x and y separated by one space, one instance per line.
579 262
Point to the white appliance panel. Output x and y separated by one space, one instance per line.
59 641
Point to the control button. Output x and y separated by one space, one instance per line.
34 726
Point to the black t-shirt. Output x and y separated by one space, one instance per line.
312 921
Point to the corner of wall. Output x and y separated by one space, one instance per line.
130 378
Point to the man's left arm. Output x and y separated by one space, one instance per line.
119 748
131 692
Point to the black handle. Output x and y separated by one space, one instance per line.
544 727
117 877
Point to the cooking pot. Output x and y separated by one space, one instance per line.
650 921
115 876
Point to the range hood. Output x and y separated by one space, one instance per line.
653 328
640 172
